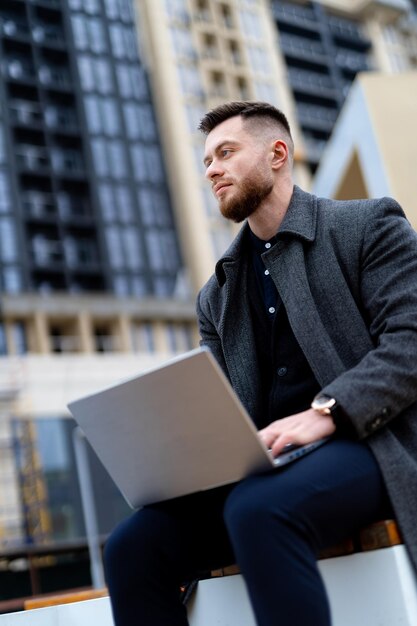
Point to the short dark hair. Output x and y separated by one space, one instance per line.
245 109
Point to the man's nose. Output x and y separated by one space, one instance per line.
213 170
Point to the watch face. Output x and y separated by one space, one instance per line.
324 402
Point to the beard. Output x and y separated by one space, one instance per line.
251 192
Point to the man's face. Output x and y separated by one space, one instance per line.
238 169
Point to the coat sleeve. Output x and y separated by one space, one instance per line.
384 382
209 336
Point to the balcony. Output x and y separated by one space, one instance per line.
47 34
312 83
39 205
26 112
351 61
73 208
60 118
55 77
51 4
316 117
47 253
302 47
348 32
80 254
15 29
19 69
32 157
294 15
67 161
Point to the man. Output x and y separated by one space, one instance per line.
312 315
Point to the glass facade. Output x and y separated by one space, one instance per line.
125 152
79 152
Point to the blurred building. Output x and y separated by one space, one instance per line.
90 260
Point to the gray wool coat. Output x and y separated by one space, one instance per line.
347 274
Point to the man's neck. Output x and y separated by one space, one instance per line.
267 219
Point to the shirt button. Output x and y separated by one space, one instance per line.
271 309
267 245
266 272
282 371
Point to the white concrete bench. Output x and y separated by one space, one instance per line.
375 588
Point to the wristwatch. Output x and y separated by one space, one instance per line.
329 406
324 405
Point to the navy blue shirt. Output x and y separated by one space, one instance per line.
288 383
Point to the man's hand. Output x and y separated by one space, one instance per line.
298 429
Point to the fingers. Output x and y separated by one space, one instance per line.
297 429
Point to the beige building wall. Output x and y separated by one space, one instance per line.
373 149
392 103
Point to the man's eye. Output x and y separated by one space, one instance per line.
225 152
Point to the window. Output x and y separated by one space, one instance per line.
2 146
19 337
8 248
3 340
5 199
131 245
179 337
101 165
146 205
104 79
139 286
156 254
146 122
117 159
154 207
114 247
111 9
190 80
92 113
251 24
138 162
12 279
80 32
91 6
86 71
131 122
111 119
107 203
124 201
117 41
97 36
124 81
154 164
183 43
139 121
138 78
121 285
143 337
126 10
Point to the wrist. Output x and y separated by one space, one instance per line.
326 405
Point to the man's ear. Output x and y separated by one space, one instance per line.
280 155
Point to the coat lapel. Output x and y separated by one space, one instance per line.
235 325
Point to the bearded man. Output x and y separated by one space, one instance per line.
311 313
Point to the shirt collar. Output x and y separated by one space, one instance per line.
260 245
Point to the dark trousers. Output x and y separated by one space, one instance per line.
272 525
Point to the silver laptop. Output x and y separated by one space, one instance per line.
175 430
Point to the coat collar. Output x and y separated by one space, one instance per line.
300 221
